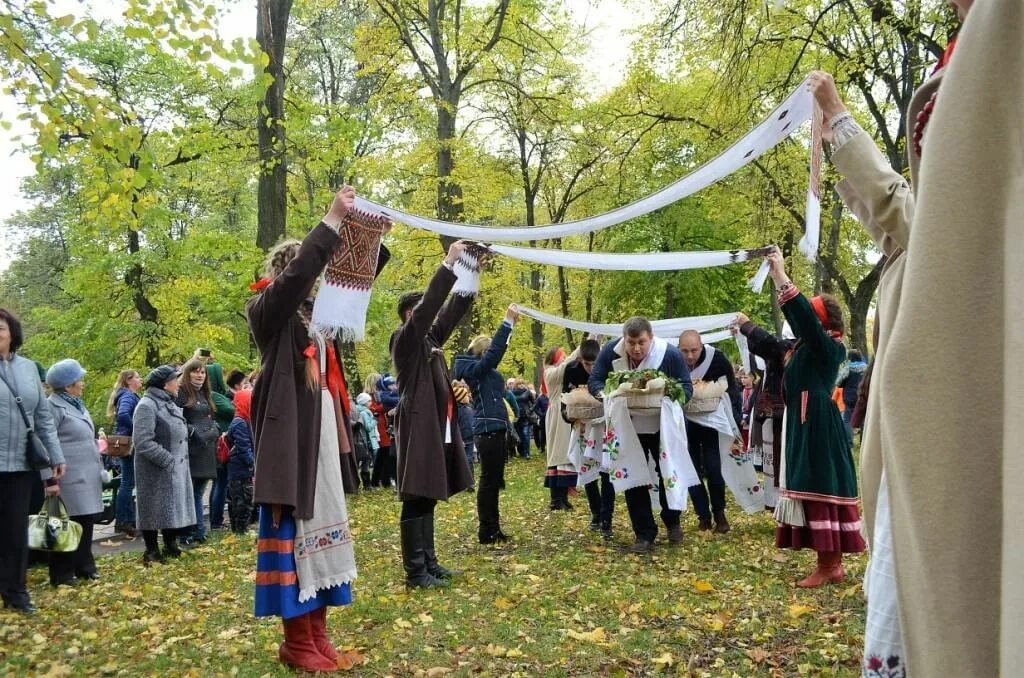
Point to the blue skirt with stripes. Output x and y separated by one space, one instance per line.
277 586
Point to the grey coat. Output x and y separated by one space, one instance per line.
163 485
81 488
24 376
202 438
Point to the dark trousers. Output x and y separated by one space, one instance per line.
638 499
601 499
417 507
149 537
125 502
218 495
540 435
707 460
65 566
15 505
198 490
490 451
523 429
240 506
383 467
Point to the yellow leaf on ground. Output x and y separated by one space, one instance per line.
496 650
402 624
425 618
596 636
664 660
796 610
703 586
514 653
503 604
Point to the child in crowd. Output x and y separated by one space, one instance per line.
241 464
465 402
366 433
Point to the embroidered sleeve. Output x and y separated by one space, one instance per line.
787 292
844 128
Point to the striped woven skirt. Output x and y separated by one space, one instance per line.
277 585
560 476
830 527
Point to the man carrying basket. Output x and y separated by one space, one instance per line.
639 349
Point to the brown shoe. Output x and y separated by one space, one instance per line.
705 525
675 534
640 546
721 523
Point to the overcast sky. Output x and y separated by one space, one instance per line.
609 20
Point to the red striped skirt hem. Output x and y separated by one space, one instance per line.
829 528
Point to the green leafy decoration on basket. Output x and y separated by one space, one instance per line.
639 379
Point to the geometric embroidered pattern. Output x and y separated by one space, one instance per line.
354 262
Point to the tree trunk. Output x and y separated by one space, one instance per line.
449 193
563 297
148 313
272 205
860 304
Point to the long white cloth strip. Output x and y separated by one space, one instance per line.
779 125
759 279
641 261
737 463
812 215
671 327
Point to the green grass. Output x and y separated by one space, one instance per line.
557 601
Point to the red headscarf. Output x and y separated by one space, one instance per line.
243 404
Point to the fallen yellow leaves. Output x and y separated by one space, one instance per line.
596 636
558 601
702 586
796 610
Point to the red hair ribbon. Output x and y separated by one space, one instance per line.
818 304
260 285
559 357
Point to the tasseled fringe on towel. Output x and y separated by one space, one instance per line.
467 272
329 583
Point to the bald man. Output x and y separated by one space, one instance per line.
708 364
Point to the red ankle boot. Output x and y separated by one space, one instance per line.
318 619
299 650
829 571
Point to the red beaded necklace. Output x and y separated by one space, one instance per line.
926 112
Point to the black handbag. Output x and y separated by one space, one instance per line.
35 451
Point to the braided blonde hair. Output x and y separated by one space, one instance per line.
280 256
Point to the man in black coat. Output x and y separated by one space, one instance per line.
708 364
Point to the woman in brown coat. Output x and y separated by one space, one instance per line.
302 436
431 456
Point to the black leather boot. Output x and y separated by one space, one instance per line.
414 557
433 567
